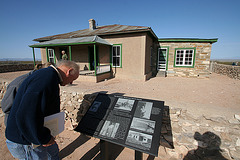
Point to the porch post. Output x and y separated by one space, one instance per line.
47 54
70 52
95 58
34 62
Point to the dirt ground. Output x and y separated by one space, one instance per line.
217 95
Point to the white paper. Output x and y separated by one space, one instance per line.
55 123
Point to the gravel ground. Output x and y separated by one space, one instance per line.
217 95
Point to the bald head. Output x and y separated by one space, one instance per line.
69 71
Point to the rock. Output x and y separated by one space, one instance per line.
69 107
181 150
234 121
164 143
73 114
187 124
237 116
235 155
238 142
68 125
219 129
172 153
216 119
74 94
225 137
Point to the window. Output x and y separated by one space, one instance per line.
51 55
184 57
117 56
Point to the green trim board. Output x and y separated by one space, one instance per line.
194 55
72 41
187 40
70 52
95 58
63 44
34 61
91 56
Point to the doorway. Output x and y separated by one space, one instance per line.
162 59
91 57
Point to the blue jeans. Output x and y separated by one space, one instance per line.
27 152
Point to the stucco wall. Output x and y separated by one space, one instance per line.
136 55
80 56
202 59
133 55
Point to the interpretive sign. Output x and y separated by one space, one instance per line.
127 121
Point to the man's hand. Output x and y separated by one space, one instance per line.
51 142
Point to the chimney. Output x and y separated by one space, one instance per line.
92 24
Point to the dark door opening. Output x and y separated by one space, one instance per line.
91 57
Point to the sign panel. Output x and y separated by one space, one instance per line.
127 121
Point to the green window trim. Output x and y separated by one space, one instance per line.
185 66
48 56
111 56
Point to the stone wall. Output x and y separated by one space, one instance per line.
228 70
202 59
15 67
183 135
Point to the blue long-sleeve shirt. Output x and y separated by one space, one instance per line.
37 97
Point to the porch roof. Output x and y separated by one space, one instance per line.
71 41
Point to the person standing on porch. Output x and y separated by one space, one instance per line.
37 97
64 55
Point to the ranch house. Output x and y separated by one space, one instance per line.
127 52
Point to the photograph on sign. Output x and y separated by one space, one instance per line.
143 109
124 104
139 140
143 125
109 129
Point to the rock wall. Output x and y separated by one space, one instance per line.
228 70
15 67
184 136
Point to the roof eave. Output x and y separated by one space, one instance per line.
187 40
48 38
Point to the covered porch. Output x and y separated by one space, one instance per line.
92 54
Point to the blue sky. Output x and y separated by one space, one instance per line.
21 21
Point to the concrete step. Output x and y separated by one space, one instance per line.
161 74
